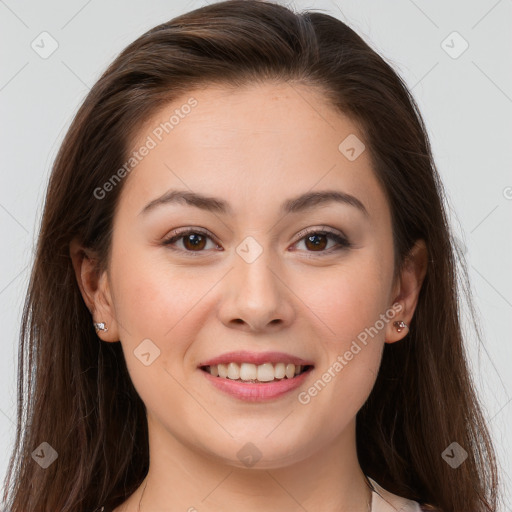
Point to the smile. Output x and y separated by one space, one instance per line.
253 389
249 372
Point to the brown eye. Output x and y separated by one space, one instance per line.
316 241
194 241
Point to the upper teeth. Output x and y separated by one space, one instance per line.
264 372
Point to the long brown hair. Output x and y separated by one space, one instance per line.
74 391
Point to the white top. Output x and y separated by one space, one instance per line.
385 501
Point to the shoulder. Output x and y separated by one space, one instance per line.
385 501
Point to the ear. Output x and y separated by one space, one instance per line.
95 290
407 288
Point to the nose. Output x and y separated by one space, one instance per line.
256 296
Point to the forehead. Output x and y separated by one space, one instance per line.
254 144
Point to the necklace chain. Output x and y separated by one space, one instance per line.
368 483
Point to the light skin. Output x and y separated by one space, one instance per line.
254 148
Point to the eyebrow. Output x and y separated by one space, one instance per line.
301 203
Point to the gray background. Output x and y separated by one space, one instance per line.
466 102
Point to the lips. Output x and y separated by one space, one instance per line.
249 391
244 356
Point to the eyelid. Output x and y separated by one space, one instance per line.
326 229
338 236
179 233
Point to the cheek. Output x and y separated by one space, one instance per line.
160 301
349 298
348 304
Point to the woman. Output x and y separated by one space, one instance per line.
245 292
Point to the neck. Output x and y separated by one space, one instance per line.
186 478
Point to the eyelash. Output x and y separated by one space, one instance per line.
343 243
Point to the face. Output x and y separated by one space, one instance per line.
255 270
